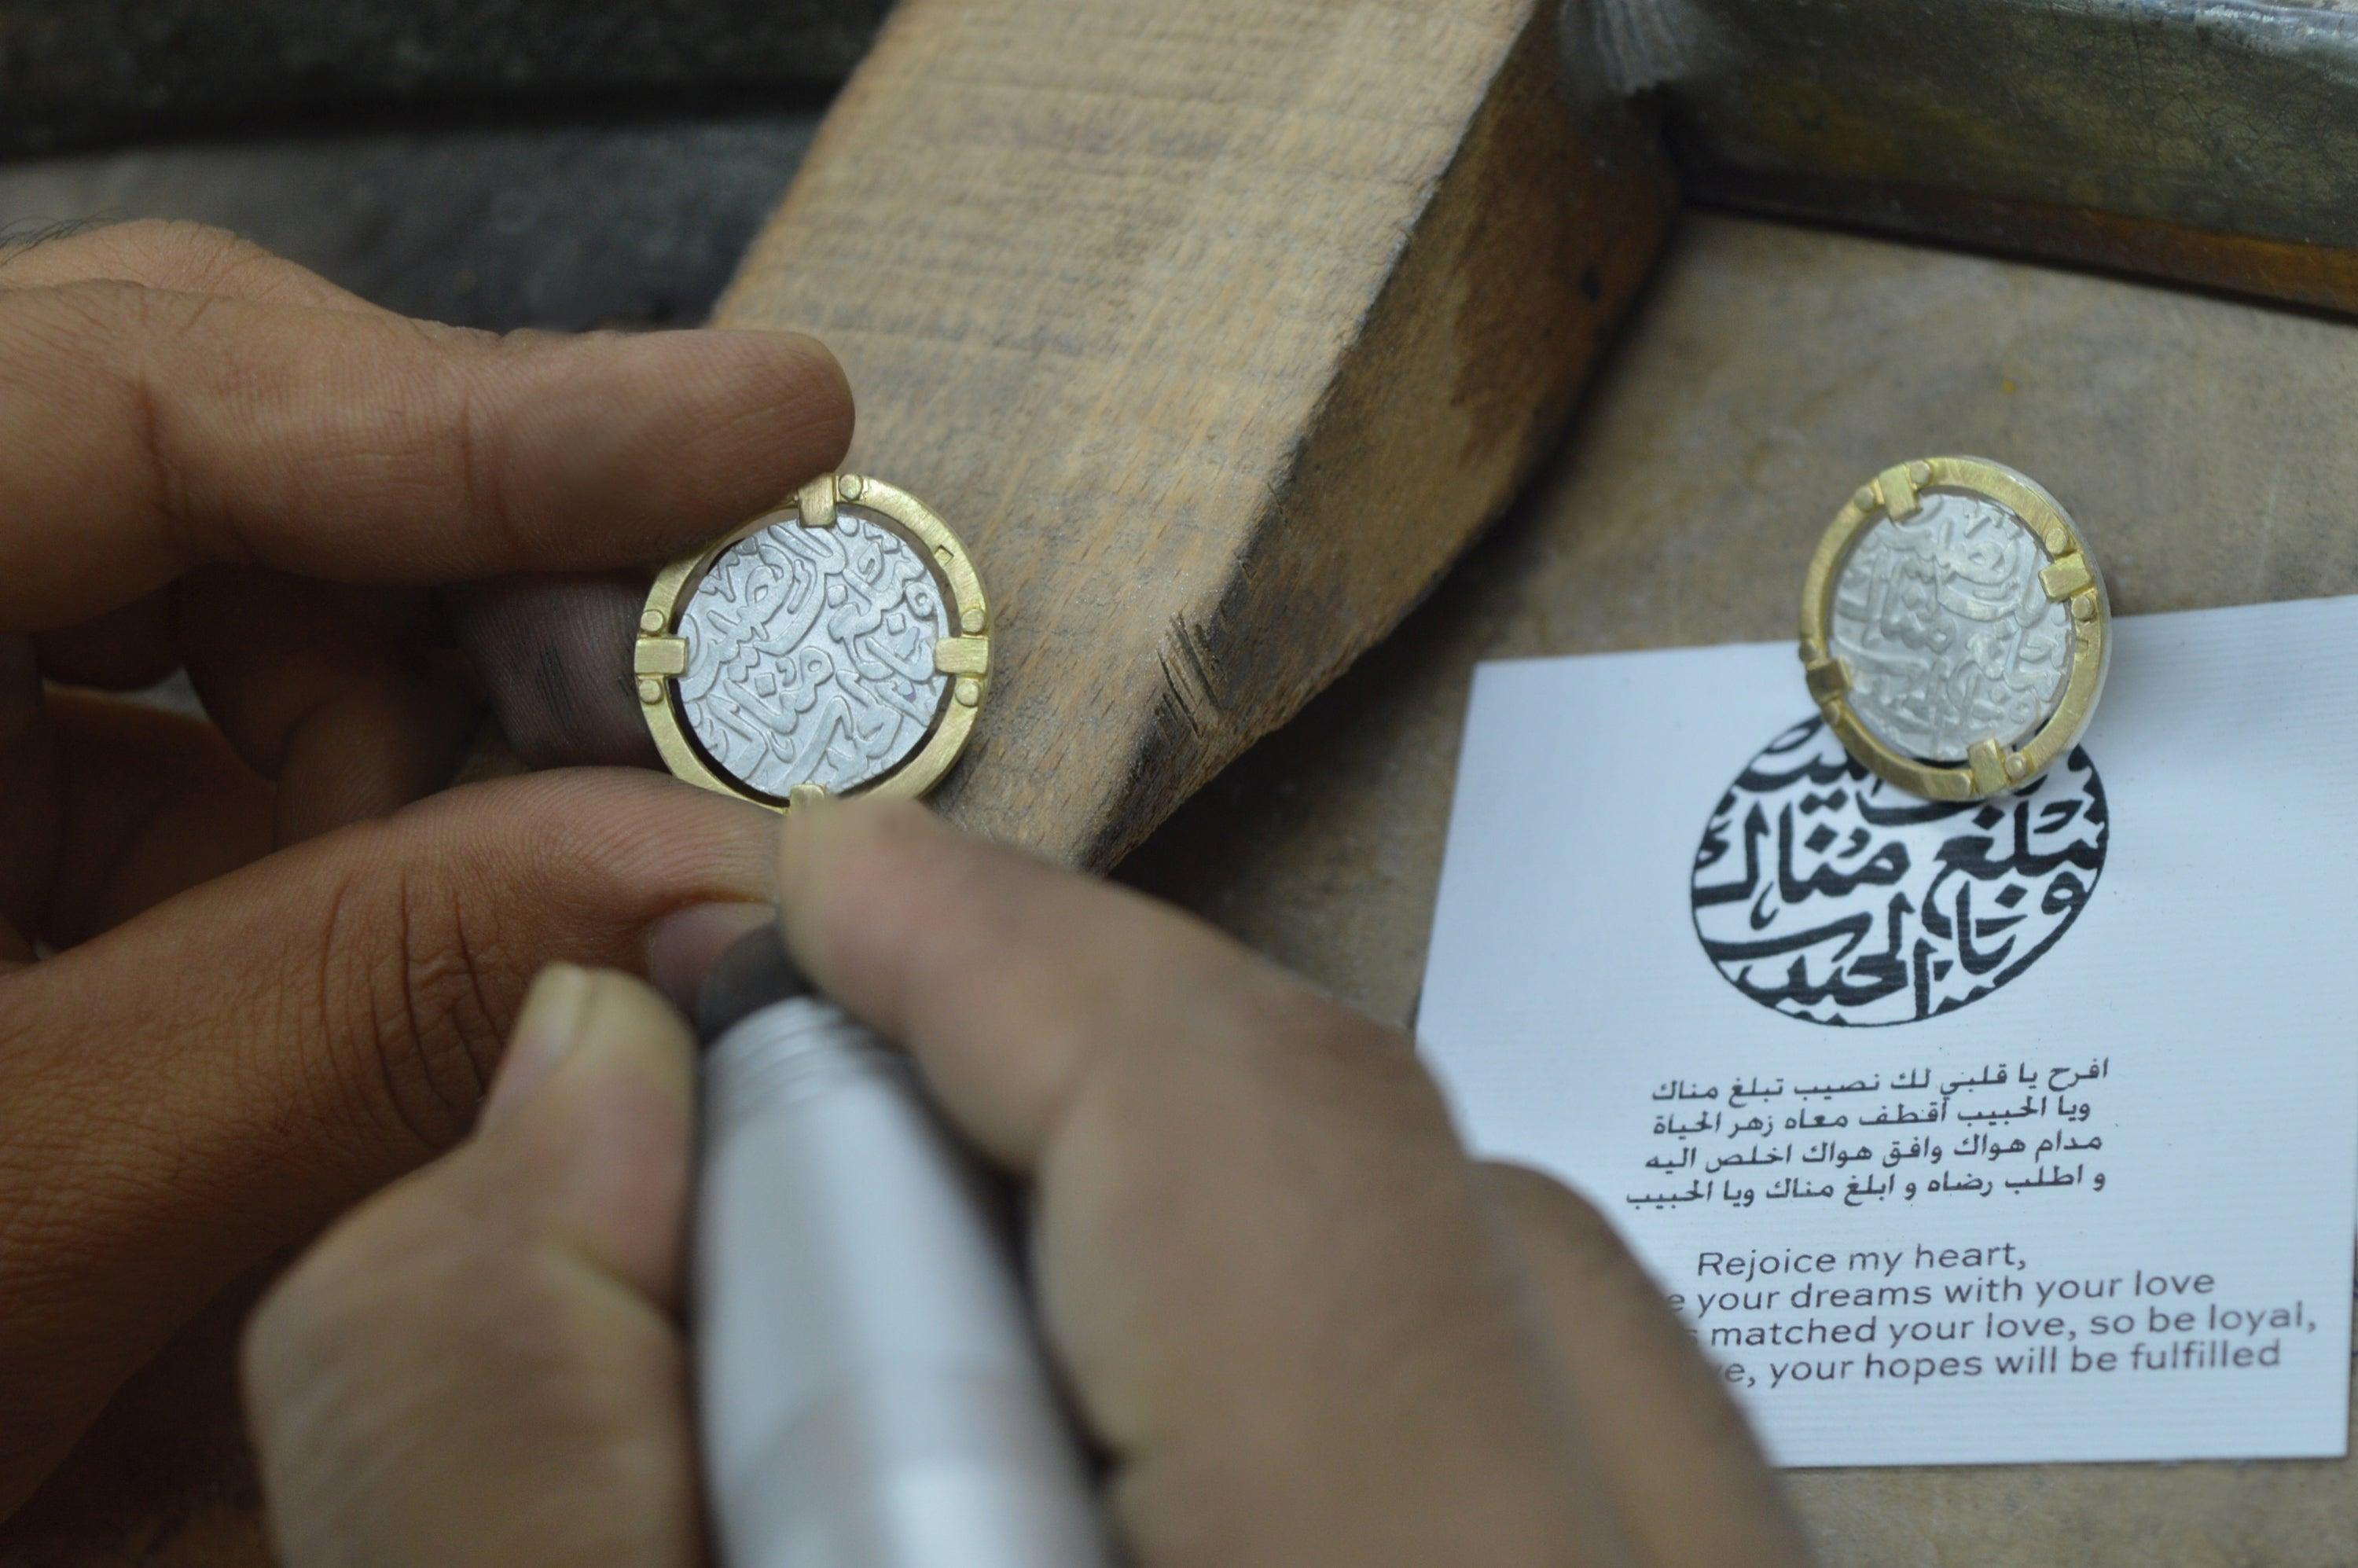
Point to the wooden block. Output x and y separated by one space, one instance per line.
1215 330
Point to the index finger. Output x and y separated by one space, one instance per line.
191 258
143 431
1261 1250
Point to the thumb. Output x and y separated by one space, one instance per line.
479 1365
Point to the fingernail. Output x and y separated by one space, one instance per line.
545 1032
683 946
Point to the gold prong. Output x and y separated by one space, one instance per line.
1897 485
804 793
962 656
2067 576
660 657
815 502
1985 760
1829 678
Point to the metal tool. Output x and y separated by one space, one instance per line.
870 1391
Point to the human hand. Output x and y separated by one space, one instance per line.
267 995
1301 1324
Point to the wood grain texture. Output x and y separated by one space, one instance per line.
2211 141
2203 444
1217 331
2324 276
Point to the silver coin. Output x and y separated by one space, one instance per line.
811 655
1949 634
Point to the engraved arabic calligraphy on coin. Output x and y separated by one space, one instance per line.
1949 633
1828 895
811 655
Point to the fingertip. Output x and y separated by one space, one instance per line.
792 389
552 653
754 416
682 946
804 835
810 837
827 848
587 1025
643 842
619 449
545 1028
630 1029
592 1143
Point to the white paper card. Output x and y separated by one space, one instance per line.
2072 1177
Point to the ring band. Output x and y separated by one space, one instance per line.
838 645
1953 606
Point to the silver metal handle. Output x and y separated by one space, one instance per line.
871 1391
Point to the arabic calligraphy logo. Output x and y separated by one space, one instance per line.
811 656
1825 893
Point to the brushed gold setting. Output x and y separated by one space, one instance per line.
659 655
2071 577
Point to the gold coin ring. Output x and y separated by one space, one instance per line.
2069 576
660 657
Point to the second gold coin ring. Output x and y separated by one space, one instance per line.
837 645
1954 628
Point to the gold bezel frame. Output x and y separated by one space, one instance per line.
2071 576
660 655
